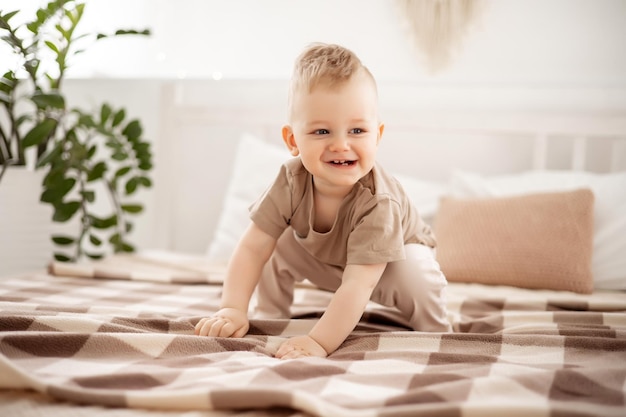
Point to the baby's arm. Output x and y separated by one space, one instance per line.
242 276
341 317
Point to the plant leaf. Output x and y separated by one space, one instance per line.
56 174
65 211
131 185
127 247
43 101
86 120
8 16
56 191
145 166
65 33
119 117
63 240
105 223
92 151
8 82
132 208
97 171
95 240
145 181
122 171
132 130
52 46
89 196
39 133
61 257
144 32
105 113
50 156
115 239
119 155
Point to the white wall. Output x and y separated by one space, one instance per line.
534 54
521 42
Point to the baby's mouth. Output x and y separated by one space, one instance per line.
342 162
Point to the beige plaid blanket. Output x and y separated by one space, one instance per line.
127 341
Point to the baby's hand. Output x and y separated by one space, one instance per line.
300 347
227 322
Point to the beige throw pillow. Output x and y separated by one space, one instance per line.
541 240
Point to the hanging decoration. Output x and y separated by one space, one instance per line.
437 27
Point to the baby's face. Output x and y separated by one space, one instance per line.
335 130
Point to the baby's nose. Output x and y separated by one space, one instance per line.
339 142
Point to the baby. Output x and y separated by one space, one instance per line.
334 217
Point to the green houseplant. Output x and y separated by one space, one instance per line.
89 156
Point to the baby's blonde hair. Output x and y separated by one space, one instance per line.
327 65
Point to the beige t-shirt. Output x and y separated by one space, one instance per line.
374 222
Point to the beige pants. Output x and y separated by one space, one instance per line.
415 286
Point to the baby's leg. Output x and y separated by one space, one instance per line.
417 287
290 263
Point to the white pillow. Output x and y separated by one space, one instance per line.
609 243
256 165
424 194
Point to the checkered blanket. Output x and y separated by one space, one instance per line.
128 342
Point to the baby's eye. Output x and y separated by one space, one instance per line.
321 132
357 130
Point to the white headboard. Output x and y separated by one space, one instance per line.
430 131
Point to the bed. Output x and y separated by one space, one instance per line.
539 333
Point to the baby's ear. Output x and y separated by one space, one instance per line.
290 140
